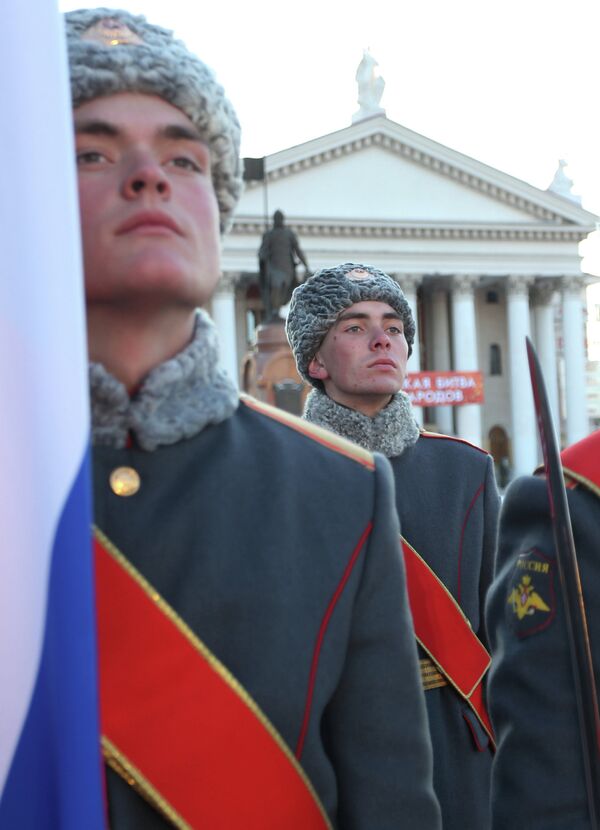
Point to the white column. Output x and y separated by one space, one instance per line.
223 313
575 358
409 284
545 342
524 433
464 347
441 352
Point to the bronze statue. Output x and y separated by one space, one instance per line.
278 256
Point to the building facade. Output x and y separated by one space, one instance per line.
484 259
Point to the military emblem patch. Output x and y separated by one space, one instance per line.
531 600
111 32
358 274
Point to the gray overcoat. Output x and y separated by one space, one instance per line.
248 530
447 500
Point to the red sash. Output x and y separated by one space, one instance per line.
178 727
442 629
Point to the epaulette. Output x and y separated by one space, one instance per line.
581 462
322 436
425 434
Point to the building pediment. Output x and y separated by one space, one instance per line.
377 172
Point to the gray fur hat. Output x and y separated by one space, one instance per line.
113 51
316 303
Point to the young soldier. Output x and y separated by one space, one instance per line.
256 662
538 770
351 331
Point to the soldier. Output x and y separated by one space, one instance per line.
537 775
257 667
351 331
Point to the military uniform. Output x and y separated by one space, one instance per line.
446 498
537 777
266 558
447 501
250 529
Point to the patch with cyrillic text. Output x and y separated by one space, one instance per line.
531 600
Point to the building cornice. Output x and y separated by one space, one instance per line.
419 230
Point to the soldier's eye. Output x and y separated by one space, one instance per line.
89 157
186 163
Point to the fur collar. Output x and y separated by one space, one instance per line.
176 400
390 432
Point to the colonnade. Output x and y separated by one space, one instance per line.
526 297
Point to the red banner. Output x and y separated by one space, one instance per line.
444 388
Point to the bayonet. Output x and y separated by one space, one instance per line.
576 623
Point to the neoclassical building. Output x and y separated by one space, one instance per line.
484 259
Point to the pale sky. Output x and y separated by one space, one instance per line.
514 84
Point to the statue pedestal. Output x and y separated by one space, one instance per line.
269 371
362 113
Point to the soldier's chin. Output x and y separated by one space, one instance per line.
153 289
386 386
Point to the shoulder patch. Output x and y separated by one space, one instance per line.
425 434
322 436
531 599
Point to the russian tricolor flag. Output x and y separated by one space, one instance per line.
50 765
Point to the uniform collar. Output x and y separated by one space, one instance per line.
390 432
176 400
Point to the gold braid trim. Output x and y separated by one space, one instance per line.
431 678
585 482
138 781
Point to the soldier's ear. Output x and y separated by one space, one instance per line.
317 369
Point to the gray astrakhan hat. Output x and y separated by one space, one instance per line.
316 304
113 51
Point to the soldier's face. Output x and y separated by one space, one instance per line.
149 215
362 360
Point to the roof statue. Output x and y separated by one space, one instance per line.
370 88
562 185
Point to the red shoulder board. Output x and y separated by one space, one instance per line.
425 434
581 461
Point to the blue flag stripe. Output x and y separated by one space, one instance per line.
55 778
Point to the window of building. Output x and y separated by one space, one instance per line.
495 359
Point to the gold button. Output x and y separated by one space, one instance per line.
124 481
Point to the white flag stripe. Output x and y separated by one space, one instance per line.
43 410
